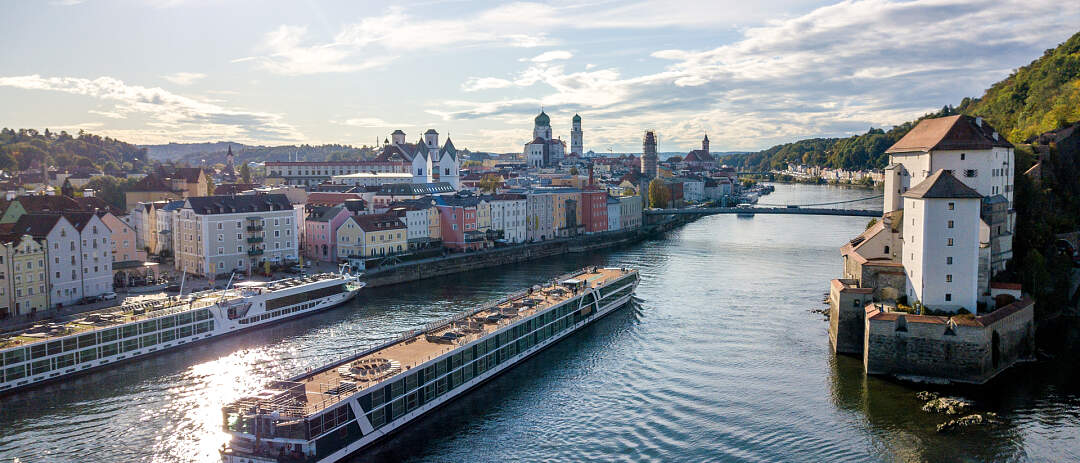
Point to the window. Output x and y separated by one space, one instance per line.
239 249
951 223
220 265
948 261
220 226
948 278
949 242
237 224
286 221
952 206
239 236
970 173
948 297
221 250
962 156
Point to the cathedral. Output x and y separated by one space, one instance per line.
546 151
428 161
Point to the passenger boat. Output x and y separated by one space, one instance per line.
341 408
54 351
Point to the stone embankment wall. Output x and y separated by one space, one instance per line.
456 263
847 304
943 349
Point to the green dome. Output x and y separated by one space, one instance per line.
577 118
543 119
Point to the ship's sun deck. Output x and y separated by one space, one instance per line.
338 381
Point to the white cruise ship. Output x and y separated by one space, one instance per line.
54 351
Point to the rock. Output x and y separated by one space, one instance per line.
946 405
927 395
967 421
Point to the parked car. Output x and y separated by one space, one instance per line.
108 296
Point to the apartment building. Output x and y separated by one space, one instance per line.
215 235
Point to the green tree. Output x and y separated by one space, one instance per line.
111 189
490 183
245 173
209 184
659 195
574 170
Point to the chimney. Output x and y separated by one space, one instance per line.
978 121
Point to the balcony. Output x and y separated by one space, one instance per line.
255 239
254 228
255 252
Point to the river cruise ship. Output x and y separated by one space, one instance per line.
53 351
342 407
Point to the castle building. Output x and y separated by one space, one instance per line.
543 150
576 145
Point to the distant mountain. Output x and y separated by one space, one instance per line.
174 151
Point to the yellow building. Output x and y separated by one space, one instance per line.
483 216
24 268
184 182
567 213
434 223
372 235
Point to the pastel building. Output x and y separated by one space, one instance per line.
508 212
216 235
320 232
25 287
372 235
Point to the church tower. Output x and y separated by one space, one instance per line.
649 161
705 143
542 126
398 137
575 136
230 167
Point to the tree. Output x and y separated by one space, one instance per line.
659 194
573 170
245 173
209 184
490 183
111 189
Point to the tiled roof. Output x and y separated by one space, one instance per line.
234 188
37 225
378 222
941 184
237 204
48 203
189 174
323 213
152 182
949 133
79 219
330 199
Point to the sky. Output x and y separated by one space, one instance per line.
750 74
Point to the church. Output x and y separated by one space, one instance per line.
546 151
429 163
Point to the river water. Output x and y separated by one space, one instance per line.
723 360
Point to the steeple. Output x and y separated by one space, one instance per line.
705 143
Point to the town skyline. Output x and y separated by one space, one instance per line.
291 74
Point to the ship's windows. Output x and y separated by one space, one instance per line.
87 355
66 360
399 408
129 345
108 350
378 398
148 340
108 335
55 347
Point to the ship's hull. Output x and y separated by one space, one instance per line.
372 436
206 324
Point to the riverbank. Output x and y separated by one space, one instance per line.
465 262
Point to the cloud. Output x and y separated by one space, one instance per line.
551 56
367 122
184 78
169 116
833 71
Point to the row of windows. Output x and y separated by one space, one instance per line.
277 313
239 224
36 367
45 349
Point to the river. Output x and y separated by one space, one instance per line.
723 360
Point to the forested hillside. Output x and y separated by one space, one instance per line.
20 148
1037 98
213 153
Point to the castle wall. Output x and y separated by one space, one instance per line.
846 315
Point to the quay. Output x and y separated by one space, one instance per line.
764 210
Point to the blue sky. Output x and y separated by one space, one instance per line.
750 74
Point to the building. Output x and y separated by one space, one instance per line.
371 235
567 214
630 212
417 217
310 173
164 218
693 189
539 218
320 232
458 217
166 185
594 211
508 212
389 193
372 178
123 239
543 150
431 164
24 289
613 219
649 160
143 218
972 152
215 235
941 236
700 159
576 145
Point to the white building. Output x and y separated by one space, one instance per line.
79 253
508 214
372 178
539 216
431 164
693 189
630 212
941 243
215 235
976 155
614 220
576 145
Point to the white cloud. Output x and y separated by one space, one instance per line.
485 83
836 70
367 122
184 78
169 115
551 56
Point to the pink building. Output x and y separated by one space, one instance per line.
123 239
320 232
457 217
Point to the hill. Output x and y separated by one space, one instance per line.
175 151
1036 98
23 148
